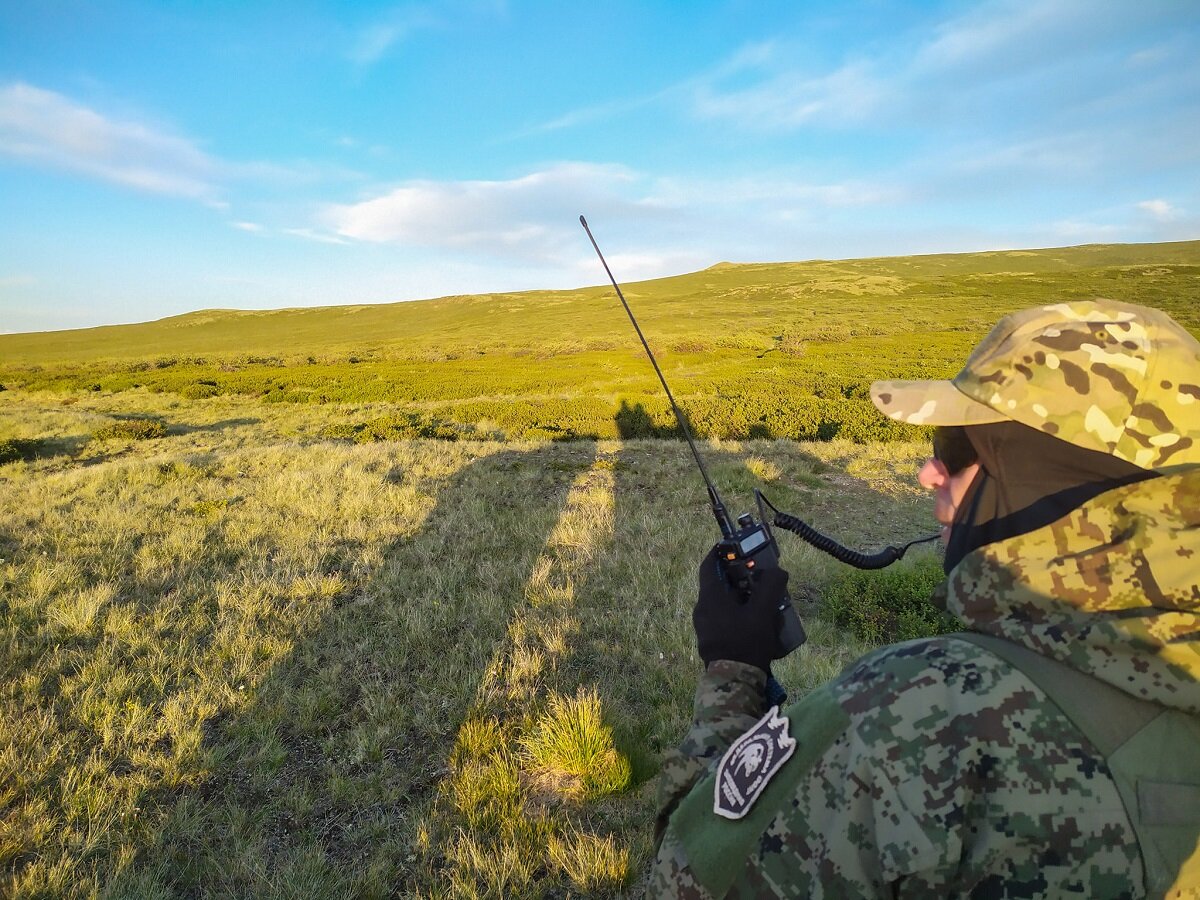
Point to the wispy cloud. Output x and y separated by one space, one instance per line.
956 77
374 41
252 227
1003 31
319 237
587 115
775 190
787 100
47 128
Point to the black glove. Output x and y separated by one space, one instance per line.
730 625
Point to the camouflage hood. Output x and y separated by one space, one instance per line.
1110 589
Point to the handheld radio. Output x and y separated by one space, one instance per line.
746 548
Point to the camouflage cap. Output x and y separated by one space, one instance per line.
1101 374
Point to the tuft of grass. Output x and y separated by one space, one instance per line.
593 863
570 749
763 469
889 605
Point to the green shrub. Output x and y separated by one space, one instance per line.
201 390
13 449
891 604
131 430
341 430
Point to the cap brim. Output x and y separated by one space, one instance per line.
930 403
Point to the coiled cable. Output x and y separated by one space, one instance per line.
826 544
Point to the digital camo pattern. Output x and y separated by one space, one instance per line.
1104 375
956 776
1112 589
729 701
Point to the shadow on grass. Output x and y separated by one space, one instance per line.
324 784
317 787
223 425
635 422
33 449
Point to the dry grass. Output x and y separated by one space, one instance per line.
242 661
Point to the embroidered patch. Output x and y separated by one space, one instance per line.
750 764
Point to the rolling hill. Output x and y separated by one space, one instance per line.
753 350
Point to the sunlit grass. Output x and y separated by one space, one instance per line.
570 751
240 660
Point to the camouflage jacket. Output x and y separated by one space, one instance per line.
935 769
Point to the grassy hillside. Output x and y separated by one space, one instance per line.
770 350
802 297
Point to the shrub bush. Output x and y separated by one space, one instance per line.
131 430
13 449
891 604
201 390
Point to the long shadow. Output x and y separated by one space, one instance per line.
213 426
318 786
322 784
31 450
635 422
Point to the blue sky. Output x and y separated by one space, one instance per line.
161 157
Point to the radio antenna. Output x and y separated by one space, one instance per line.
718 508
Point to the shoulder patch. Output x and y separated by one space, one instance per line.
750 763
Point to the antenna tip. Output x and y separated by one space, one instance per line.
583 221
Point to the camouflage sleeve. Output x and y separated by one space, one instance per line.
952 775
729 700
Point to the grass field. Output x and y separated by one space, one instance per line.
240 659
320 603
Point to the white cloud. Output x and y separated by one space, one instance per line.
533 219
46 128
247 226
1159 209
525 230
529 217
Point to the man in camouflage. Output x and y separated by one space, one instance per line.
943 767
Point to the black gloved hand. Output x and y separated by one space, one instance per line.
730 626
